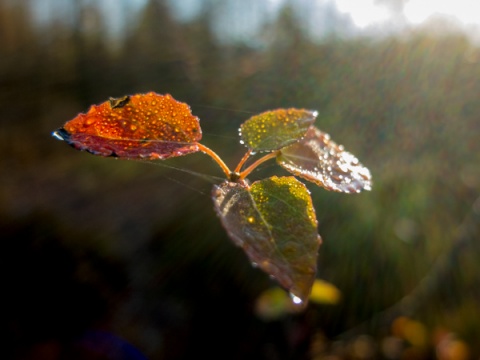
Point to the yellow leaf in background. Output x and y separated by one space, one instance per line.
416 333
411 330
324 292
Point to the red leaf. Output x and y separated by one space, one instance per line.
142 126
319 159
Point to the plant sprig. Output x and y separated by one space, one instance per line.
273 220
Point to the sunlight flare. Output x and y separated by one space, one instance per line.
464 11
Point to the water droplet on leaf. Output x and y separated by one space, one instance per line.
60 134
296 300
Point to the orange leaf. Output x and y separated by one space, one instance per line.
142 126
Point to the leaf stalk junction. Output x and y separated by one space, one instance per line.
237 174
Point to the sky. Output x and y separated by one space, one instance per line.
464 11
240 18
370 12
366 12
367 16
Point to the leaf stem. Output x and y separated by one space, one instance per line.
215 157
249 169
244 159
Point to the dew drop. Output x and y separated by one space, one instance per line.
60 134
296 300
242 142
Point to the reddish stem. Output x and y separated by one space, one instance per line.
244 159
249 169
215 157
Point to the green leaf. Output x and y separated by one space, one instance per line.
274 222
318 159
275 129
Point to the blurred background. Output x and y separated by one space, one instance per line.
112 259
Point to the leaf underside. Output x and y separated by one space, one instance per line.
142 126
272 130
274 222
318 159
